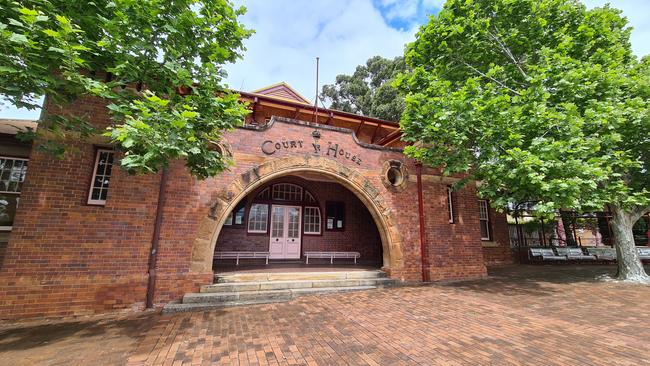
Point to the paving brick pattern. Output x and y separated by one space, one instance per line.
521 315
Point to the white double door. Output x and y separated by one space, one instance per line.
285 232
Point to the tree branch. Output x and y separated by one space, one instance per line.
479 72
507 52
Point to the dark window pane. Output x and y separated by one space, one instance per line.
101 167
8 204
103 194
95 195
485 233
239 216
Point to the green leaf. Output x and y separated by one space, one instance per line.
189 114
179 123
18 38
56 49
52 33
7 69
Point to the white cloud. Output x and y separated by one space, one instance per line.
405 9
428 4
291 34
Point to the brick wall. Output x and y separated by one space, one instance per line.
65 257
454 249
498 251
68 258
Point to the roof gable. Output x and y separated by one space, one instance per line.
282 91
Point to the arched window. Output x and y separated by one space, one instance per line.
286 192
312 221
290 193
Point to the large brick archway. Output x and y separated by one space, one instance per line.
383 215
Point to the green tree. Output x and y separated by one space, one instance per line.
159 64
369 90
539 100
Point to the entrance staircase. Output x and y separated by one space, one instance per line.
267 287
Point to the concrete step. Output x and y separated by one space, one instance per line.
298 276
272 295
208 301
285 285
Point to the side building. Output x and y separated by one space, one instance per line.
77 232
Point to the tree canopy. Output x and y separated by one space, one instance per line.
369 90
539 100
137 55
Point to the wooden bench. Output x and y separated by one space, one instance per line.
331 255
546 254
575 254
241 255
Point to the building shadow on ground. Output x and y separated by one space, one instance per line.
24 336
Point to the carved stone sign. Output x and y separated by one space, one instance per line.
333 150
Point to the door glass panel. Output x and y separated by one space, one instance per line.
294 222
277 222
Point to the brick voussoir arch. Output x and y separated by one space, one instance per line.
210 227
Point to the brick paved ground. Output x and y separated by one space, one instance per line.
529 314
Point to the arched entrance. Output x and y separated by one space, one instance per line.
261 175
296 216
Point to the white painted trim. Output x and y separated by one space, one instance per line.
91 201
450 203
487 219
13 158
248 222
320 221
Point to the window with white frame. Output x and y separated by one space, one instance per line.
101 177
484 217
286 192
450 204
258 218
312 220
12 176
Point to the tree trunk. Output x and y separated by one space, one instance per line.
567 222
630 267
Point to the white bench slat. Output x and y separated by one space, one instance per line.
332 255
241 255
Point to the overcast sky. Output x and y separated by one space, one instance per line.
290 34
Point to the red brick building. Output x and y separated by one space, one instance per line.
299 182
